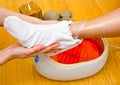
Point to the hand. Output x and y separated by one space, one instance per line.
18 51
22 52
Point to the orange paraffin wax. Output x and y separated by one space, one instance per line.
89 49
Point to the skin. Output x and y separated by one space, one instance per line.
18 51
107 25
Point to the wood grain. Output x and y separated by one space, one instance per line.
22 71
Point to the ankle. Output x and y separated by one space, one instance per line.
76 27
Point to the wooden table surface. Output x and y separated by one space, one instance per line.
22 71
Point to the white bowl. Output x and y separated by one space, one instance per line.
64 72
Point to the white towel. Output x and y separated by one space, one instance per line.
30 35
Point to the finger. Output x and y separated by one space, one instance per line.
35 49
53 50
48 48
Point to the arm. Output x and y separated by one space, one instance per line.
104 26
5 12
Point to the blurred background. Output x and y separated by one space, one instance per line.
22 71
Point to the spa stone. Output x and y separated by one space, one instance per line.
51 15
65 13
